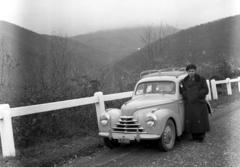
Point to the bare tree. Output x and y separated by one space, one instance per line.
8 63
156 46
59 58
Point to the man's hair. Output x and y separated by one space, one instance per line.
191 66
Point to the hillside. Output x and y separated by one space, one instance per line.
28 42
119 43
31 48
200 44
210 46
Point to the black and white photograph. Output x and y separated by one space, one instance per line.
113 83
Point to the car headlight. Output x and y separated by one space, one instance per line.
151 120
104 119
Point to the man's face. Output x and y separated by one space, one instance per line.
191 72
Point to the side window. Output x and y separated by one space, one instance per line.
167 87
149 88
180 86
140 89
171 88
158 88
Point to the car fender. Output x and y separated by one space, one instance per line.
162 116
114 114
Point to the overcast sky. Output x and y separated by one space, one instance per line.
83 16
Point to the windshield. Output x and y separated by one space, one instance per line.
162 87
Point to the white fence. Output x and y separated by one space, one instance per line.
228 82
6 113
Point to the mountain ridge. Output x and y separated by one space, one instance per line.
200 42
213 47
118 42
30 48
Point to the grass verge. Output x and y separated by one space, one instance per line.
54 153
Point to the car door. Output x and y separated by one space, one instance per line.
181 108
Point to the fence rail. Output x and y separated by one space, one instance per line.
228 82
26 110
6 113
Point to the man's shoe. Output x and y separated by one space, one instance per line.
201 140
192 139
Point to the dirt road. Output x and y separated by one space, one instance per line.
221 148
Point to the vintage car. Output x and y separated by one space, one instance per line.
155 111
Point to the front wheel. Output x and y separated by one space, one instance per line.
110 143
167 140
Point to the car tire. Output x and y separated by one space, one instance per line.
168 137
110 143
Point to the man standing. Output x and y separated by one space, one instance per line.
194 90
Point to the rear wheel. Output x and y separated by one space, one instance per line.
167 140
110 143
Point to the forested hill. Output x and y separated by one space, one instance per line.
201 44
29 44
119 43
31 52
213 47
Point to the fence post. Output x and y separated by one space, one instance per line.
209 97
6 131
229 88
100 106
214 89
239 84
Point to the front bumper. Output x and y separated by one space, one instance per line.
131 136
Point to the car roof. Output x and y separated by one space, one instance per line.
175 72
162 78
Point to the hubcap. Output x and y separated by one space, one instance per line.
168 135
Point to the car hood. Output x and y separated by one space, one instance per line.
142 102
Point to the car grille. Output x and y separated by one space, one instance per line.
127 124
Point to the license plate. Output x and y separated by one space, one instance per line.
123 136
124 140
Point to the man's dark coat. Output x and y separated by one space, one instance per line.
194 92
